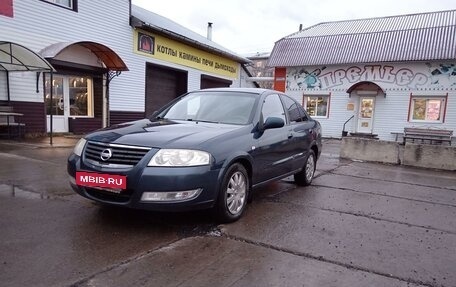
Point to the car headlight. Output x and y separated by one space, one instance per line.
79 147
180 157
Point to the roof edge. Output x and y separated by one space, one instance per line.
368 18
138 23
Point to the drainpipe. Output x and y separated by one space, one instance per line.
8 87
51 123
109 76
209 31
108 115
105 100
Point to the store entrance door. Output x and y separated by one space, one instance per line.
59 114
366 114
71 97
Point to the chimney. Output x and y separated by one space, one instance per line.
209 31
300 27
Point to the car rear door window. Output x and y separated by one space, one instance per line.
293 111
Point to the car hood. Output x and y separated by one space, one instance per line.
162 133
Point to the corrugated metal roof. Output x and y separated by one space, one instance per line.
414 37
150 20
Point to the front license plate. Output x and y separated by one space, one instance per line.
94 179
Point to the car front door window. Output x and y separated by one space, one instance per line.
272 107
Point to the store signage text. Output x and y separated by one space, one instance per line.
175 52
195 59
377 73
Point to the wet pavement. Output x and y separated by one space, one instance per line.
359 224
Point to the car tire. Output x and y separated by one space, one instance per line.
233 194
306 175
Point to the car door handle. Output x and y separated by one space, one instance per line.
310 131
290 135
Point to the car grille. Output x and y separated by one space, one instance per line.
120 155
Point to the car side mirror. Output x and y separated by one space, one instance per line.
273 123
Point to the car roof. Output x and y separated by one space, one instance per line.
258 91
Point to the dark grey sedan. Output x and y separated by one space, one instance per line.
207 149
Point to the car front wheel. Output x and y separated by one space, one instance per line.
234 190
306 175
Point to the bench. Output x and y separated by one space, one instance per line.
397 135
9 123
428 135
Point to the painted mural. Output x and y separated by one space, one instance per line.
388 76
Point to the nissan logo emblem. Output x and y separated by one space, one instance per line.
106 154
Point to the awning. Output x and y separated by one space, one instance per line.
111 60
367 88
17 58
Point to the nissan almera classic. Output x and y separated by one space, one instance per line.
206 149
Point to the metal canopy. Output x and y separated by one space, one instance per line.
111 60
373 88
17 58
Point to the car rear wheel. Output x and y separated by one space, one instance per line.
233 194
306 175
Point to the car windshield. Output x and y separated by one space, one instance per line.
216 107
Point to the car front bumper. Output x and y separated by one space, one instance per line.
142 178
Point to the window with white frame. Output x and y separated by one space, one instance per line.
427 109
58 103
70 4
317 105
81 96
74 91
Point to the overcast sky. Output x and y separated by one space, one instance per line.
250 26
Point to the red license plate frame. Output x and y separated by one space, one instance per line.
103 180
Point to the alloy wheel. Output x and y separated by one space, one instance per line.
310 168
236 192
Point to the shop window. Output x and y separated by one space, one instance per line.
317 106
427 109
80 94
58 103
74 91
69 4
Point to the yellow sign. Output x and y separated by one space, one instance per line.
165 49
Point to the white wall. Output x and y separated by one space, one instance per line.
37 24
3 90
241 81
399 81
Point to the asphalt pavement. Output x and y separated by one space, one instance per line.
359 224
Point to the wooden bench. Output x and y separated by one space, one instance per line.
428 135
9 123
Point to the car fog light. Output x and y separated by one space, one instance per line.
171 195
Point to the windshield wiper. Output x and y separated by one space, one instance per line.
202 121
